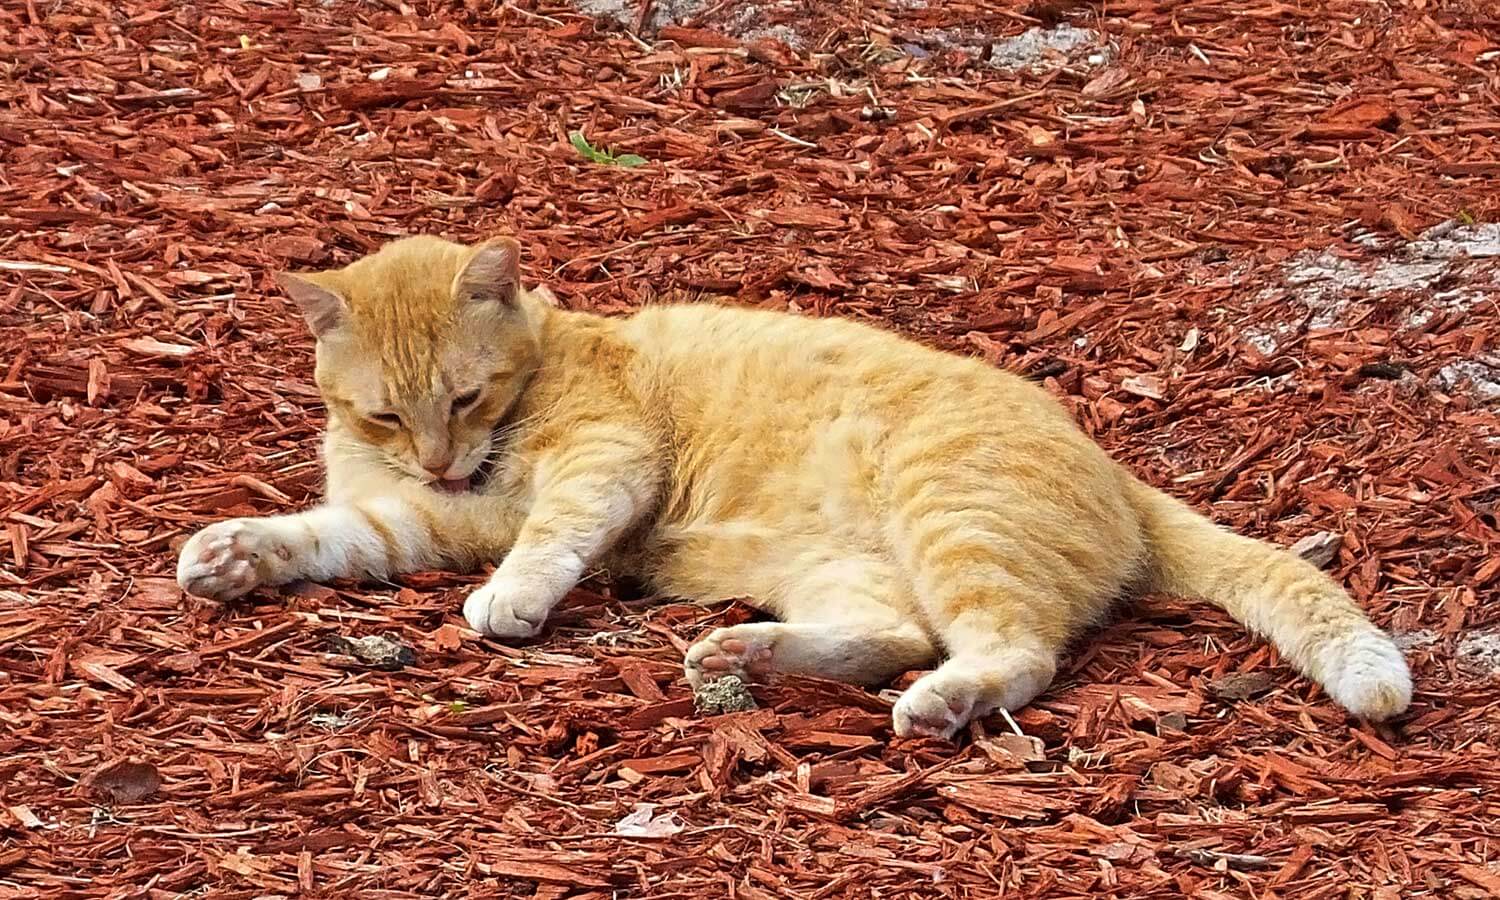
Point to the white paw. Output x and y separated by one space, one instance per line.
504 609
747 651
937 705
229 559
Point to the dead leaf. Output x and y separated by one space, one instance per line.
644 822
1012 751
123 782
1106 81
756 97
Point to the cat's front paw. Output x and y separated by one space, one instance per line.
747 651
504 608
230 559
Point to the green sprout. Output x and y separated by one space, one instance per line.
603 157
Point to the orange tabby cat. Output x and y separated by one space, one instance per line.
892 505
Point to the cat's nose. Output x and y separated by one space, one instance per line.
437 468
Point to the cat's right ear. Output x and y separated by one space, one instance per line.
322 307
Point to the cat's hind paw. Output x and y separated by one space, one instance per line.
229 559
747 651
941 703
937 705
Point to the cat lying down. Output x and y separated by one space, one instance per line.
893 506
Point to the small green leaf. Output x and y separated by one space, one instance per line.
630 160
1465 217
457 706
585 149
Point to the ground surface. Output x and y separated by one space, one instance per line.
1200 222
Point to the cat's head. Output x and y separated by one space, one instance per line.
422 348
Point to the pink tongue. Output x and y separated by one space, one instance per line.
454 485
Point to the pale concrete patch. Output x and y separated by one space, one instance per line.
624 12
1447 269
1413 639
1479 379
1478 653
744 24
1037 47
1032 50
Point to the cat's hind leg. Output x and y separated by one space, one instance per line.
843 621
986 670
1011 557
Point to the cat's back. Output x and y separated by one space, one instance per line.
689 333
799 366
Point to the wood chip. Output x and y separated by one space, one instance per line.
1210 234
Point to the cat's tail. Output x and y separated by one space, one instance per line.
1310 619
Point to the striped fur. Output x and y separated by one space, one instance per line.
891 505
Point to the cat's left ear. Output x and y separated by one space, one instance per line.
493 274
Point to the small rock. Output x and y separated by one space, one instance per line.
331 721
380 651
1319 549
1241 685
1173 721
724 695
1148 386
180 663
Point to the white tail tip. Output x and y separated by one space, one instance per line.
1367 675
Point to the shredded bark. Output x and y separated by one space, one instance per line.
1251 245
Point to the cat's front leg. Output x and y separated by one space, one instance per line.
375 538
572 522
516 600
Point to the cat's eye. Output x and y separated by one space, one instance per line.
386 419
465 400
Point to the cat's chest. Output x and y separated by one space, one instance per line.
513 477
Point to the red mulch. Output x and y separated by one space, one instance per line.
1114 228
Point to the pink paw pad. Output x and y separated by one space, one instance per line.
222 561
720 654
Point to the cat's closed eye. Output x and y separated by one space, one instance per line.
386 419
465 400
